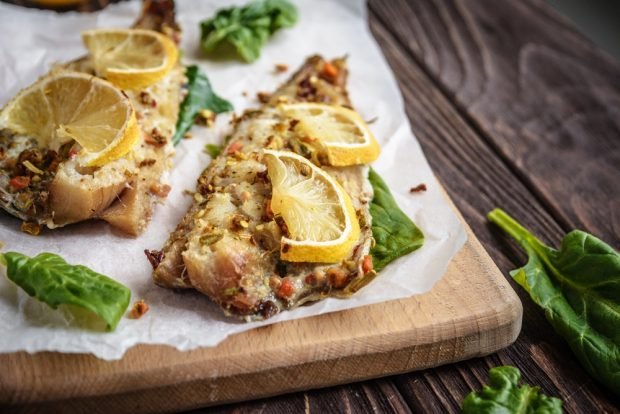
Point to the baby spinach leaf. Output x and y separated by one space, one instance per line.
504 396
200 96
578 287
394 233
246 28
49 278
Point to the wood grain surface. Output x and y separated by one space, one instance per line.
500 129
471 312
542 97
514 109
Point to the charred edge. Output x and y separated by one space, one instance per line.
155 257
158 15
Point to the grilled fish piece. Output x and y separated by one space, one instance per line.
122 192
228 244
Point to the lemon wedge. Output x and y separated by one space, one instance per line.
65 106
340 133
321 222
131 58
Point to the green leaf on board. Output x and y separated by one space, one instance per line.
394 232
50 279
247 28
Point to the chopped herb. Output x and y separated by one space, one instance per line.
213 150
49 278
200 96
578 287
246 29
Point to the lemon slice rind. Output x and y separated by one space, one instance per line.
324 251
333 133
62 105
116 53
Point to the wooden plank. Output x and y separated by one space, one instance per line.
429 388
456 148
478 180
472 311
542 95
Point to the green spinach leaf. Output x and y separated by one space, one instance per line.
578 287
246 28
200 96
394 233
504 396
49 278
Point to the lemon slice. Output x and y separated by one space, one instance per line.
318 213
67 106
131 58
340 132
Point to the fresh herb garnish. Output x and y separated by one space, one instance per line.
49 278
213 150
394 233
503 395
200 96
246 28
578 287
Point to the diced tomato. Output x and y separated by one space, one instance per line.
19 182
139 308
330 71
234 147
367 264
286 289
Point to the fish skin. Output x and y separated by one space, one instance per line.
239 267
122 192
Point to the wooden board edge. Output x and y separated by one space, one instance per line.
403 357
282 380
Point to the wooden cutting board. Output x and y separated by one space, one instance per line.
472 311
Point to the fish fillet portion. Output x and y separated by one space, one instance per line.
228 244
122 192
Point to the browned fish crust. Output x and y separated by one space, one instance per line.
123 192
227 244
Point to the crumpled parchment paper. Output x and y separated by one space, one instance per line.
31 40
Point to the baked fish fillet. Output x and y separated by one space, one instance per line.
227 246
122 192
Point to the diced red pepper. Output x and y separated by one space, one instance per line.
234 147
367 264
139 308
330 71
19 182
286 289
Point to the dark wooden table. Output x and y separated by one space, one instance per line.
514 109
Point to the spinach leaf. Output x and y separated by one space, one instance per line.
200 96
504 396
578 287
246 28
49 278
394 233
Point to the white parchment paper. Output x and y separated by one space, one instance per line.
31 40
